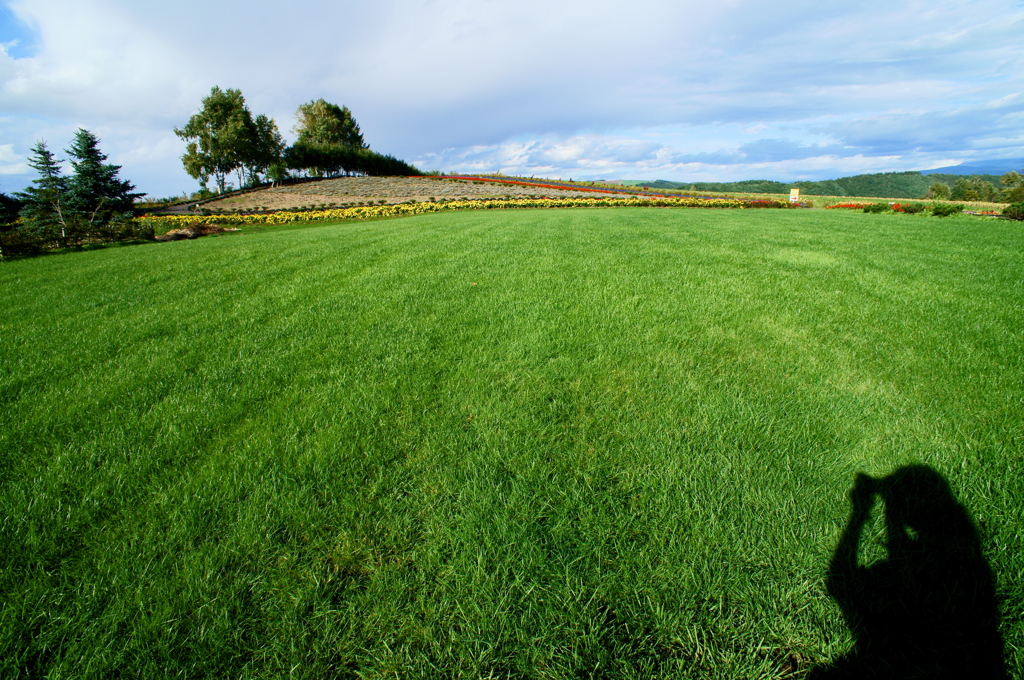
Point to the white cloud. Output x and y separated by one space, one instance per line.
11 163
597 156
537 85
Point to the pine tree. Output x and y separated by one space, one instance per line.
44 211
9 209
96 198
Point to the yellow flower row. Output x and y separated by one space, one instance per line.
404 209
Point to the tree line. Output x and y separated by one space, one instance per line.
225 138
909 184
977 188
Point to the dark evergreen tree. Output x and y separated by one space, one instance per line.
43 213
93 201
96 198
9 209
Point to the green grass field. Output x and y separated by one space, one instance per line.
553 444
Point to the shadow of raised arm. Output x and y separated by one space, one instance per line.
929 609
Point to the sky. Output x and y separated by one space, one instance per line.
674 89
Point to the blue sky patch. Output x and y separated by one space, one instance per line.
18 38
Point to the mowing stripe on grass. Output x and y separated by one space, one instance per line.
490 444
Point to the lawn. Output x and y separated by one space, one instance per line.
555 444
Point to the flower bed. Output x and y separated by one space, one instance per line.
545 184
541 185
405 209
848 206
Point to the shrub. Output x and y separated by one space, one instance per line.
9 209
331 160
876 208
911 208
1014 211
946 209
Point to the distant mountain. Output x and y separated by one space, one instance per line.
910 184
997 167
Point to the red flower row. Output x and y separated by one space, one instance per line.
571 187
545 185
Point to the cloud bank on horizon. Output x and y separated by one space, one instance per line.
676 90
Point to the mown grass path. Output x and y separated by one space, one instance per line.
561 444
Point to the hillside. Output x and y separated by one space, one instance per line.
910 184
996 167
351 191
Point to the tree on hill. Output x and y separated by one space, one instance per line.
224 138
321 123
329 143
266 148
329 140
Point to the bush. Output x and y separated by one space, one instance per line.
9 209
1014 211
876 208
911 208
15 242
129 230
946 209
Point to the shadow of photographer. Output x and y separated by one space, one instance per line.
929 610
